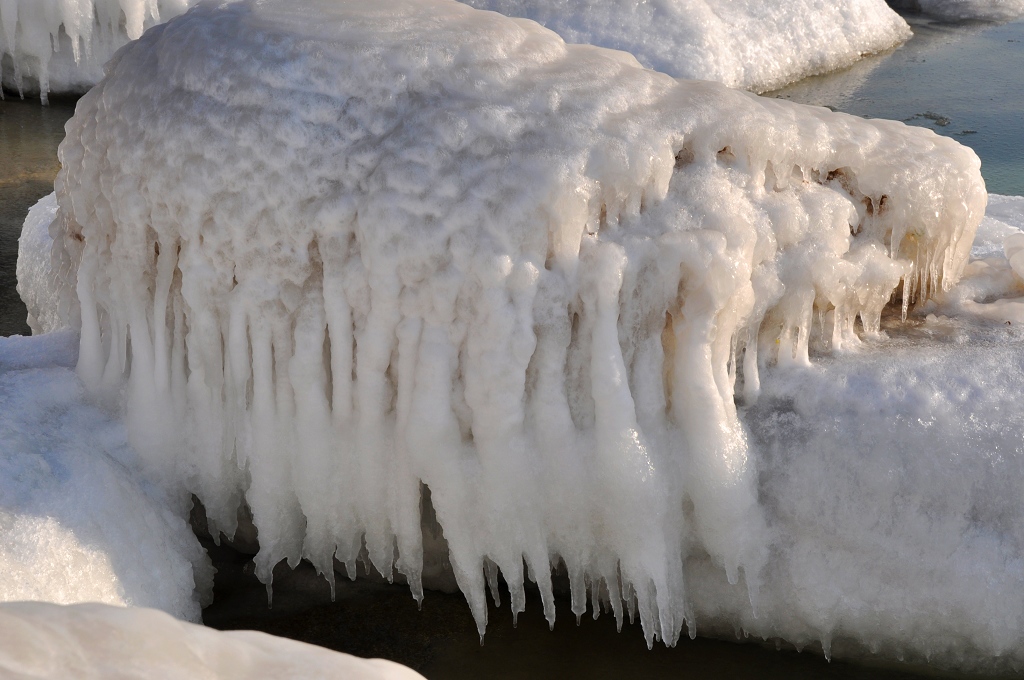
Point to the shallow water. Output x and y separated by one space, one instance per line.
964 81
29 135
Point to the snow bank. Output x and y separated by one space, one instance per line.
752 44
95 641
418 246
892 480
76 525
61 45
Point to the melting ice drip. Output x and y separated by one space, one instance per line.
62 44
341 254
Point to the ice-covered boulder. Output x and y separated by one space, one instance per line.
338 254
87 641
77 524
752 44
61 45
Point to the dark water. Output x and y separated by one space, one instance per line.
965 81
440 640
29 135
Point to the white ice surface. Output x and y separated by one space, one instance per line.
417 244
992 289
61 45
76 524
752 44
97 642
37 280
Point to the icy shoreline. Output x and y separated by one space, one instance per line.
678 240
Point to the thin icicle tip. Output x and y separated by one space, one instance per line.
416 247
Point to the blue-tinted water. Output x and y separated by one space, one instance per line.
963 80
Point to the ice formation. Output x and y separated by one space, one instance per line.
752 44
415 246
61 45
76 525
993 285
37 281
94 641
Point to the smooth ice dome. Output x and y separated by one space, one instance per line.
76 523
61 45
752 44
93 641
334 255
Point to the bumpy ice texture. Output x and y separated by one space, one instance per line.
76 523
61 45
752 44
414 246
94 641
38 283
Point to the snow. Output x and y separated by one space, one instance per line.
76 524
751 44
415 246
61 45
89 641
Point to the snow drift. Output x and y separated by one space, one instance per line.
48 641
61 45
416 247
76 525
752 44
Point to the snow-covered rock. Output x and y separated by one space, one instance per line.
94 641
76 522
61 45
752 44
334 253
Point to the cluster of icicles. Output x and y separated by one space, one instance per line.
80 34
417 248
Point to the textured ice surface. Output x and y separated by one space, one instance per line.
415 245
37 280
93 641
753 44
993 285
61 45
76 525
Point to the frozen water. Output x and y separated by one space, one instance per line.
415 245
37 280
61 45
752 44
94 641
76 524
